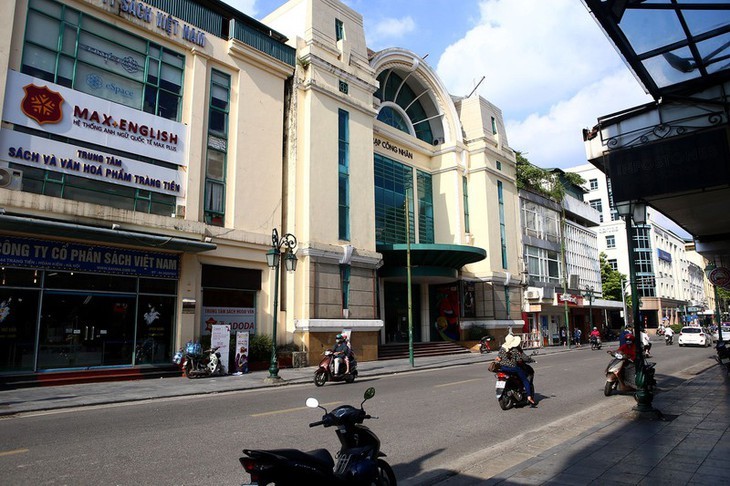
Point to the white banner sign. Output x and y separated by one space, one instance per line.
42 153
35 103
221 339
239 318
241 359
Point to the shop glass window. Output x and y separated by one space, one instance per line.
89 281
76 50
18 316
155 326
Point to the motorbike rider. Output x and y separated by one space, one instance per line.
646 343
342 350
595 335
668 333
511 358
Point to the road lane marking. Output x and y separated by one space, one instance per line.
458 382
287 410
16 451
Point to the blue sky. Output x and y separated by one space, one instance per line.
547 65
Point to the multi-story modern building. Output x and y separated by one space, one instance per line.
151 147
560 288
670 279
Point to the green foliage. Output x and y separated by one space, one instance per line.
551 184
259 347
610 279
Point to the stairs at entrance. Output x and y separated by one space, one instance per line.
439 348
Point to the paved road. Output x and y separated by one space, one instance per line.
431 422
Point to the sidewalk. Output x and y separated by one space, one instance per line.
691 446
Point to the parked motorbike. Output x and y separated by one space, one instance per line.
509 388
332 368
595 343
197 363
668 339
358 462
621 374
484 345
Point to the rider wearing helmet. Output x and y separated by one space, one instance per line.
342 350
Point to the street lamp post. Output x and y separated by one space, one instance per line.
589 294
285 245
636 211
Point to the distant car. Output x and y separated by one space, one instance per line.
725 334
694 336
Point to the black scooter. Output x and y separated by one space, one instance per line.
359 460
595 343
509 388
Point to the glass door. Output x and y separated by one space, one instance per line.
85 329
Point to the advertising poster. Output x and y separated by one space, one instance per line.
221 338
241 361
237 318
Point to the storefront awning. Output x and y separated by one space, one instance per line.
45 227
428 261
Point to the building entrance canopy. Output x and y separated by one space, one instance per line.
428 261
674 153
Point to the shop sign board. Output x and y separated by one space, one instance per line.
238 318
42 105
25 149
60 255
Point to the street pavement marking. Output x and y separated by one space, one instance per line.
458 382
16 451
287 410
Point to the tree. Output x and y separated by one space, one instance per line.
611 281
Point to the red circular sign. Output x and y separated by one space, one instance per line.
720 277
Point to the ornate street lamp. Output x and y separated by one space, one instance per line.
286 245
636 211
589 294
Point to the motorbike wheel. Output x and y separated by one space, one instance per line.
188 370
320 378
505 402
386 476
608 388
349 378
483 349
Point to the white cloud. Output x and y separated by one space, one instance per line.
554 139
387 30
545 65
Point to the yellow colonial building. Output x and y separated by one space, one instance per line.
149 148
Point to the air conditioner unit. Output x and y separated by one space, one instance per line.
574 282
532 294
11 179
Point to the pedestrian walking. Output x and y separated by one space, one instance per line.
576 335
563 336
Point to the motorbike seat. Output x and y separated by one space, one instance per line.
321 456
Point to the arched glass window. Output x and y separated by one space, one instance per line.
395 89
390 116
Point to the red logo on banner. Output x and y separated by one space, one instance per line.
41 104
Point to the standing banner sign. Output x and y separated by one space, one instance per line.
241 361
221 338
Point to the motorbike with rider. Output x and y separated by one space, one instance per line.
595 338
515 376
338 363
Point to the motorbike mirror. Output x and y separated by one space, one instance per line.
312 402
369 393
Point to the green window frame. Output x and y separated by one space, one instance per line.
494 126
67 47
502 224
345 275
339 30
464 186
217 148
425 207
393 183
343 167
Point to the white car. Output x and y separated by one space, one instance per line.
694 336
725 334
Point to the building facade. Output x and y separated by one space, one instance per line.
136 136
563 277
670 277
150 149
